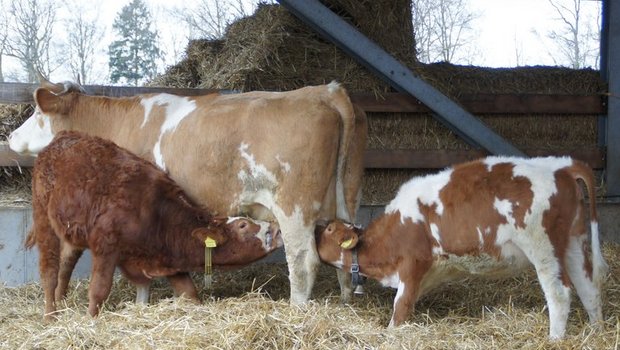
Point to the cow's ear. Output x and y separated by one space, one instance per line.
46 84
349 241
203 233
48 102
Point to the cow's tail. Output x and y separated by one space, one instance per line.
348 169
582 171
30 239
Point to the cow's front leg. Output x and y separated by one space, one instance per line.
183 286
302 258
142 293
404 302
346 290
100 282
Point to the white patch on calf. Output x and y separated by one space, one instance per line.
425 189
391 281
437 236
33 135
504 208
177 108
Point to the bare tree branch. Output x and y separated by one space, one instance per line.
30 35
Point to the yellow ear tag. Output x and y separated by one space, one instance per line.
210 243
346 244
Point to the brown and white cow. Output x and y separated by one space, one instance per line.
88 193
294 156
490 217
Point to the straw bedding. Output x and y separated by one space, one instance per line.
248 309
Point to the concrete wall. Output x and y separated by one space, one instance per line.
19 266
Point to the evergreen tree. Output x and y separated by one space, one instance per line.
134 54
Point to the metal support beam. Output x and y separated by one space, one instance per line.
611 15
381 63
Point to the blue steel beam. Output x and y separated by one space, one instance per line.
611 14
381 63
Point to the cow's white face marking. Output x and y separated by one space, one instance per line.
425 189
177 108
32 136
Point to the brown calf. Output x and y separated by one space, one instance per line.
89 193
489 217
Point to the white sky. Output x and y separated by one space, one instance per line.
502 26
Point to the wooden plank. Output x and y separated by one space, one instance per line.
390 159
489 103
386 103
10 158
437 159
22 92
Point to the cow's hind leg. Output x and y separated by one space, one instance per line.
301 257
69 256
581 274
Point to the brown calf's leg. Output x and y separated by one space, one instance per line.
100 282
184 286
49 251
69 256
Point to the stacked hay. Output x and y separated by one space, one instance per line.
249 309
273 50
14 181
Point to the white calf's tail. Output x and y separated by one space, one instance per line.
582 171
599 266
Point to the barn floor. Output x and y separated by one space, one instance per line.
248 309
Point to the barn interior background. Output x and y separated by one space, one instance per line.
274 50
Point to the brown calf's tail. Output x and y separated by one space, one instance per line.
30 240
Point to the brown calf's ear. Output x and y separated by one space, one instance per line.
203 233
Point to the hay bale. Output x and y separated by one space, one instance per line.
248 309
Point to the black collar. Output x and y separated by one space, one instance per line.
356 278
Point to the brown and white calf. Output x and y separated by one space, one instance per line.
490 217
295 156
88 193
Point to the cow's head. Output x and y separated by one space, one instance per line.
333 238
240 241
53 102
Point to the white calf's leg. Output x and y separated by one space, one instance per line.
588 291
556 294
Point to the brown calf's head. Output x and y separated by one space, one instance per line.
240 241
335 237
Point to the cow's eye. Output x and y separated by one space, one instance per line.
243 225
